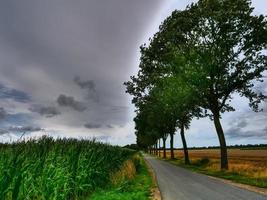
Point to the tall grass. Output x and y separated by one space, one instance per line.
57 169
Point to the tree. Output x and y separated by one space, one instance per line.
217 47
147 124
145 137
153 121
225 55
180 100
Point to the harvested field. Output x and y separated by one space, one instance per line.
251 163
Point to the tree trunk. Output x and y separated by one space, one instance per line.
219 130
159 147
186 156
164 147
156 148
171 146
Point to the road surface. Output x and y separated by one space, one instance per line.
176 183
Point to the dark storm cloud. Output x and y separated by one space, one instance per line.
3 114
240 133
16 95
109 126
68 101
19 119
20 129
89 86
47 111
44 44
24 129
240 127
89 37
3 131
92 126
242 124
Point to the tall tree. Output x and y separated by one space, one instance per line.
217 47
225 55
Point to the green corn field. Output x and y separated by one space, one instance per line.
57 169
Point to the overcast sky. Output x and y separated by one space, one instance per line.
63 64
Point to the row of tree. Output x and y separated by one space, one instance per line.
192 66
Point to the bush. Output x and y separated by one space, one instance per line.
203 162
137 162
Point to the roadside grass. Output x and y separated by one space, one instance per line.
137 188
206 166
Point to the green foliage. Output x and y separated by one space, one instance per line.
199 58
57 169
132 146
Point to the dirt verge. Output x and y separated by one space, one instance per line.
155 191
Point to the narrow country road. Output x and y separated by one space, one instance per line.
177 183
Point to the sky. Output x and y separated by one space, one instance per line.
63 64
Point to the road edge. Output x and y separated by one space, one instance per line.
251 188
258 190
156 194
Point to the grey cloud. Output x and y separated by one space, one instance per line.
109 126
24 129
248 124
240 128
68 101
239 133
119 108
16 95
89 86
3 131
92 126
3 114
47 111
263 106
262 86
44 44
241 124
103 137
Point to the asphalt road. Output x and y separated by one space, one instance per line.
176 183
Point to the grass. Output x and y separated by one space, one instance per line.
57 169
138 188
211 167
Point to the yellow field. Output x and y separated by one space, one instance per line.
252 163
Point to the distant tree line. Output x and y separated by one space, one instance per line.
236 146
192 66
132 146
